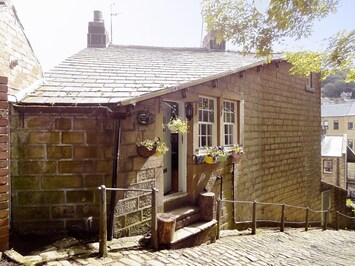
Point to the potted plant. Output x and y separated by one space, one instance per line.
212 154
177 125
237 152
148 147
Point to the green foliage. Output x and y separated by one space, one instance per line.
240 22
303 63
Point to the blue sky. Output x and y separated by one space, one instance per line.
58 28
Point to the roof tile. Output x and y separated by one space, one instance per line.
119 73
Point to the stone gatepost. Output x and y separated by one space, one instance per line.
4 166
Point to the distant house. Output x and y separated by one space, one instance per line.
338 119
335 158
69 129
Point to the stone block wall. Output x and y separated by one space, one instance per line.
57 162
14 45
4 167
282 129
133 209
337 177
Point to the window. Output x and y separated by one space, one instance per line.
206 121
325 124
327 166
309 83
350 125
350 143
336 125
229 125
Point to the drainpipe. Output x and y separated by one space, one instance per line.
233 191
116 152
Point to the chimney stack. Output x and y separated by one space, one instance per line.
97 35
210 42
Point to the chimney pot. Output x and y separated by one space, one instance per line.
97 36
210 42
98 16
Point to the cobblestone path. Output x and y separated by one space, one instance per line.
267 247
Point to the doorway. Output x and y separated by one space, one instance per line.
175 159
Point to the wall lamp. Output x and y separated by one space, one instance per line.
189 111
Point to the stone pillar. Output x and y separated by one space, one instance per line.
4 166
206 203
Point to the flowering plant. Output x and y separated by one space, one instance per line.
155 146
177 125
238 149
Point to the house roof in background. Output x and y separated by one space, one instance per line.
339 109
333 146
122 73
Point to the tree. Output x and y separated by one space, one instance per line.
242 23
334 85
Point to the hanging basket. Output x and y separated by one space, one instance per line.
144 152
172 128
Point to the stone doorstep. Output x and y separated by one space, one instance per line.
185 215
191 230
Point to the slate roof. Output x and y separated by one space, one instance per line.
119 74
341 109
333 146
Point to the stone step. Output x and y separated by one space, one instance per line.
195 234
185 216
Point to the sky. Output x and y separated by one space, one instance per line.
57 29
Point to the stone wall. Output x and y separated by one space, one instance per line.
337 177
281 139
4 169
57 162
133 209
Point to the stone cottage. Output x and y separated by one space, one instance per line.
73 130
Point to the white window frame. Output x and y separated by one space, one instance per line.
326 124
233 124
213 124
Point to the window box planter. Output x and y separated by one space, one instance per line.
200 159
210 159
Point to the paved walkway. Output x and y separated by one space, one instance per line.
267 247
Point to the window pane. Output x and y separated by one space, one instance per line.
209 141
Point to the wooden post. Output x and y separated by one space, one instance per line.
325 220
307 218
282 226
154 221
337 221
103 223
253 226
219 208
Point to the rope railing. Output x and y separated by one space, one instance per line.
282 220
103 217
338 214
